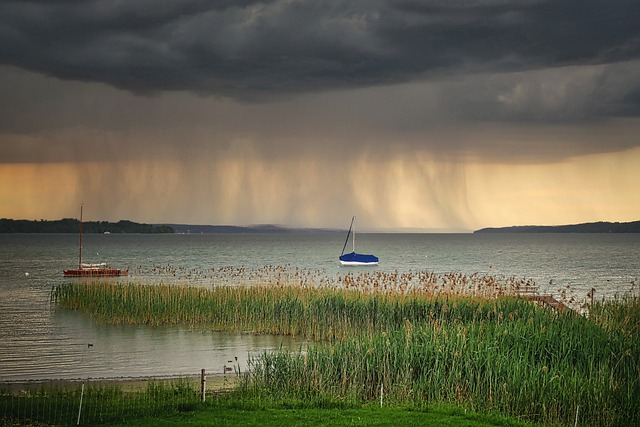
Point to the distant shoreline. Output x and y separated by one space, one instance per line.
72 225
69 225
588 227
251 229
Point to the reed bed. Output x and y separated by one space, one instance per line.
506 356
419 338
286 275
319 314
363 280
231 275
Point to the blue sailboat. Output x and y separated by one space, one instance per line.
354 258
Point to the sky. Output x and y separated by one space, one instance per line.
418 115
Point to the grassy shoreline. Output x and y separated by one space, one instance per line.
465 342
176 405
215 383
488 352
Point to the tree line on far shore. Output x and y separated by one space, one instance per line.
71 225
590 227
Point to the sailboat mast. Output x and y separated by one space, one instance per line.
80 251
347 239
354 235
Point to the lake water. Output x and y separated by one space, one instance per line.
38 341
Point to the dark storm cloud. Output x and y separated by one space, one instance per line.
265 48
564 94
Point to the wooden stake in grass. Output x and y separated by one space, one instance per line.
80 408
203 384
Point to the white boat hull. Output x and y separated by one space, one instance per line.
357 263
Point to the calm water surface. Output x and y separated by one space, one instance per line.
38 341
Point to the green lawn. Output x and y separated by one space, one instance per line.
367 416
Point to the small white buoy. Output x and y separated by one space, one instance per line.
26 274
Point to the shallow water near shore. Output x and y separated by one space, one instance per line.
39 341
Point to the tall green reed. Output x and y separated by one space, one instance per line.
533 364
494 354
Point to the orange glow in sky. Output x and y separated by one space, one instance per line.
405 191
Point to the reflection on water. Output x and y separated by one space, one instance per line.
76 347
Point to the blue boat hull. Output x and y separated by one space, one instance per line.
358 259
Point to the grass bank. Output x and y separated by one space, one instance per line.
239 415
486 354
178 404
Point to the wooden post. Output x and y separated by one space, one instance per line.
80 408
203 384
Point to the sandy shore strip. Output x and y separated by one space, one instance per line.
214 382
